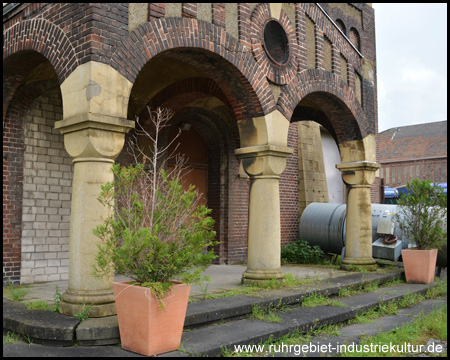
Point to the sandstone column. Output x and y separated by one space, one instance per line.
93 144
264 164
263 154
358 176
95 102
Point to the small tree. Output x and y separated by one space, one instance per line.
422 215
157 231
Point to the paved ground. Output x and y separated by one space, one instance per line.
223 278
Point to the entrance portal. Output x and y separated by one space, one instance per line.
191 145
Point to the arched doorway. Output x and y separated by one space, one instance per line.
190 144
208 138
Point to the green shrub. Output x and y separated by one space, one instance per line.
422 214
157 232
167 249
302 253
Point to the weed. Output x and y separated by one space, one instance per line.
334 302
389 308
57 299
17 292
10 337
332 329
415 333
38 304
371 286
83 313
258 313
314 300
28 339
204 290
345 292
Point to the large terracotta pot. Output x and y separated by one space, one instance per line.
420 265
146 327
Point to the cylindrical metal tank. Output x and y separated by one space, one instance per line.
323 224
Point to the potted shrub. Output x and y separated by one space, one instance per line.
156 235
422 216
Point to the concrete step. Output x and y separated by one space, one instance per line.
301 319
42 326
211 311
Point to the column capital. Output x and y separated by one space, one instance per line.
358 173
94 137
94 121
264 160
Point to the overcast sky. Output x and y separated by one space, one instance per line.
411 44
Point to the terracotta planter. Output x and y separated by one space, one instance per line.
144 326
420 265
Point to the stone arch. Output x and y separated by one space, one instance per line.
207 47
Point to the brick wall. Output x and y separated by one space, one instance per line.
47 188
399 173
289 191
12 196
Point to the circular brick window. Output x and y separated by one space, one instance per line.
276 42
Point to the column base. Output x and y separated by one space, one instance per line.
261 276
359 263
102 302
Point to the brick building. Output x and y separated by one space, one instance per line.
415 151
255 82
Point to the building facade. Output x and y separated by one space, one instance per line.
413 152
254 82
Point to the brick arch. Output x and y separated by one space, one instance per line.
207 47
355 38
341 25
47 39
348 21
334 98
186 91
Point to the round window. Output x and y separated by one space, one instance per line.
276 42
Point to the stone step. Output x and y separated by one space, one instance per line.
301 319
210 311
104 331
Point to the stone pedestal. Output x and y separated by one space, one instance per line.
93 142
264 164
358 176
